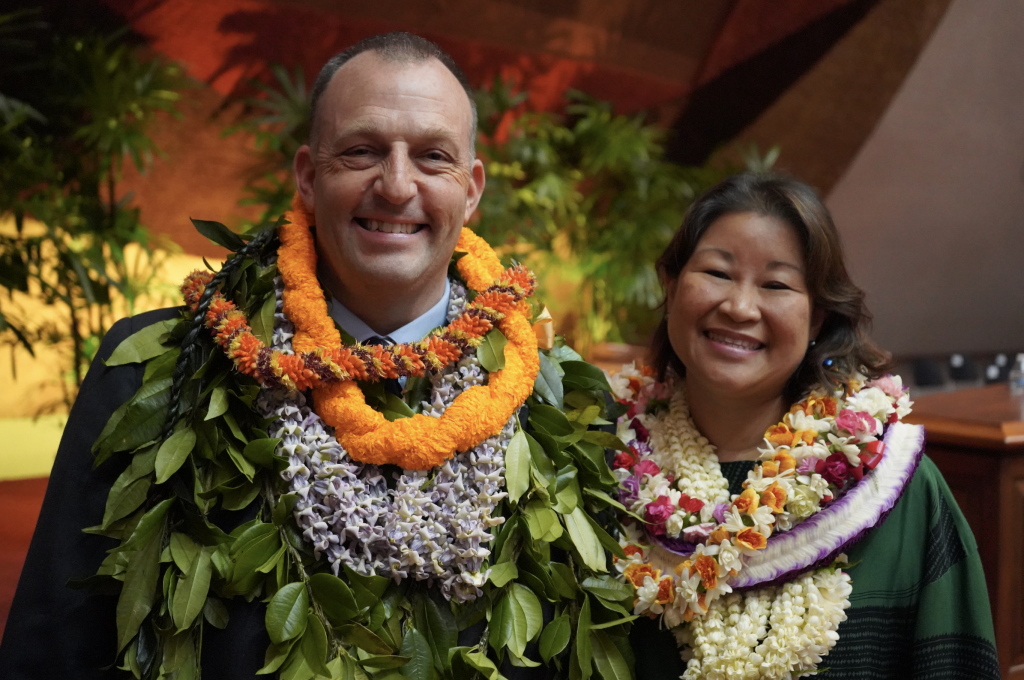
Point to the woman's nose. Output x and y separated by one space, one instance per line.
396 183
742 303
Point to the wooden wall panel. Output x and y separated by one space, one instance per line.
974 481
1010 618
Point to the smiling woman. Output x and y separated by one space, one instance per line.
791 211
764 446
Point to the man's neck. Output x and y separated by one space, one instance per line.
736 426
387 308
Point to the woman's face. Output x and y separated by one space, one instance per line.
739 315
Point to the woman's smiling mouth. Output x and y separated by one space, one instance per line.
734 341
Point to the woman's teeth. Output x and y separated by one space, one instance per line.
389 227
733 342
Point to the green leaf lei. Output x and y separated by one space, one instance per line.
200 459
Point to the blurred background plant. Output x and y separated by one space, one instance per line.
586 197
276 116
73 110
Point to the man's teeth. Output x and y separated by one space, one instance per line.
742 344
390 227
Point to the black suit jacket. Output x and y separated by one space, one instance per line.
54 631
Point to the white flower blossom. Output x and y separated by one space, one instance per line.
903 405
729 558
872 400
843 445
803 502
646 596
734 521
818 449
674 524
815 483
687 593
802 421
764 519
620 382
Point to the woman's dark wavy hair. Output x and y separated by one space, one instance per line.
843 345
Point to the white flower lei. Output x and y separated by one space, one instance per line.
431 526
680 450
774 632
769 632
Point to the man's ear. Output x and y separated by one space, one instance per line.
305 174
477 180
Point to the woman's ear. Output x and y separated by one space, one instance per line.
817 320
670 290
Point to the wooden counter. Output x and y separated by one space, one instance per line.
976 438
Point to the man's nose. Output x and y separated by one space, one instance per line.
396 183
743 303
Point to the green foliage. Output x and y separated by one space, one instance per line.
175 567
73 110
277 118
585 196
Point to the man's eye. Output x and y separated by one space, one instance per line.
435 156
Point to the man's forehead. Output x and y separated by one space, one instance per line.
371 74
423 126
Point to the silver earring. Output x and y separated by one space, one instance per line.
812 343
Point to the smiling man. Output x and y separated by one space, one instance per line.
320 466
390 175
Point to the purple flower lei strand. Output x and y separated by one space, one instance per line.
431 526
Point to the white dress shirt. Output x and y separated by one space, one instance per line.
414 331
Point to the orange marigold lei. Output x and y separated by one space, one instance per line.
442 348
322 363
274 368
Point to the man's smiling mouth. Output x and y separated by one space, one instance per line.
388 227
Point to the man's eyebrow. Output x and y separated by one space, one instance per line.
371 128
360 127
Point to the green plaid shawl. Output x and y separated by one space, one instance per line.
919 607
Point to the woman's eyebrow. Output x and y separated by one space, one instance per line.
779 264
718 251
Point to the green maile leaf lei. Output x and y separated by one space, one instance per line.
198 445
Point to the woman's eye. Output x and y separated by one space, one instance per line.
776 285
717 273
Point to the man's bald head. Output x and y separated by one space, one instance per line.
397 46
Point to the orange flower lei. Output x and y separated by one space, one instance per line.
297 372
420 442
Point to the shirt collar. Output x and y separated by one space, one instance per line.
414 331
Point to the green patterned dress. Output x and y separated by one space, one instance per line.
919 607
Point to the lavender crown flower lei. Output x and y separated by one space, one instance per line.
432 526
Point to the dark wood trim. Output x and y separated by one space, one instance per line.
976 438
